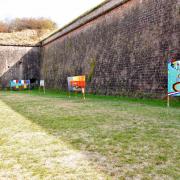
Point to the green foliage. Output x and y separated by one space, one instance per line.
92 67
68 44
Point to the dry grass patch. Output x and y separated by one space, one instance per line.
28 152
113 138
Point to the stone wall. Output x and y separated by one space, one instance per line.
18 62
122 48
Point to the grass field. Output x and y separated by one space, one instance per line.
55 137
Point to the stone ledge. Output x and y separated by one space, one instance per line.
21 45
83 19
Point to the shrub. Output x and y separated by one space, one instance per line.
20 24
4 27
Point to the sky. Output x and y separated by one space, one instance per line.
60 11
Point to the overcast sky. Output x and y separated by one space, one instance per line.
60 11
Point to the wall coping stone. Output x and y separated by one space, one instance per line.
20 45
94 13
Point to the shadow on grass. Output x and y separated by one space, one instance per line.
93 125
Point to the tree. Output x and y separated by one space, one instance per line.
20 24
3 27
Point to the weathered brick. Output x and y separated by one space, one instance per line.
128 46
18 62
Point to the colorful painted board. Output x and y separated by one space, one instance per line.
173 77
77 83
17 84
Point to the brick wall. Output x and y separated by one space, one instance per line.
122 47
123 51
18 62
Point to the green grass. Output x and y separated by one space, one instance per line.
174 101
123 137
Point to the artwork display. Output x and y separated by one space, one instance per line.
19 84
77 83
42 83
173 77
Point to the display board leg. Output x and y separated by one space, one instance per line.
84 96
83 92
69 94
168 101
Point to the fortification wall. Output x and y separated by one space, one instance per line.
18 62
122 48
